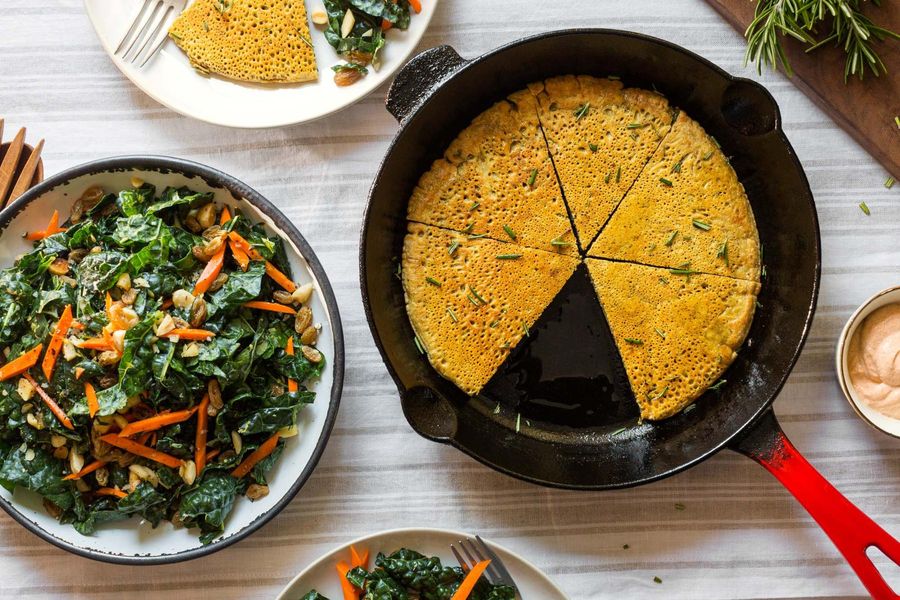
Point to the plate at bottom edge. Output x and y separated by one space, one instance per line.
320 575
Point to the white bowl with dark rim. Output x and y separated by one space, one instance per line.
133 541
876 419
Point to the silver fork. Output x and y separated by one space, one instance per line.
477 551
148 32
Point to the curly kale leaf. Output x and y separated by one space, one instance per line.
313 595
423 574
208 503
377 584
35 469
241 287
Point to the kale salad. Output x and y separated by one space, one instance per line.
156 353
409 575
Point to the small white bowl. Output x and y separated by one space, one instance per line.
868 414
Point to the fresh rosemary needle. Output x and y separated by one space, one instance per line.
433 281
452 314
582 111
510 232
701 224
508 256
453 247
889 182
671 239
665 182
635 341
865 208
532 177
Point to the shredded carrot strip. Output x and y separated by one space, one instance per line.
56 341
359 560
212 454
270 306
140 450
52 228
385 24
20 364
244 245
85 471
349 591
239 255
94 344
210 272
53 406
265 449
111 492
416 5
92 402
167 304
79 371
108 303
468 584
293 386
107 337
77 325
225 216
157 422
191 334
271 270
202 430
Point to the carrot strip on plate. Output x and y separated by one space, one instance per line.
92 402
85 471
225 216
265 449
51 404
94 344
210 272
157 422
350 592
140 450
293 386
271 270
270 306
200 437
468 584
191 334
21 363
241 257
385 24
56 341
106 491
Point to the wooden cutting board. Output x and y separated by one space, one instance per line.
865 109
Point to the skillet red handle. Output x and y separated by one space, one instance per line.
847 526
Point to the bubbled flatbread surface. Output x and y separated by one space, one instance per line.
704 319
705 188
254 40
467 340
625 126
482 185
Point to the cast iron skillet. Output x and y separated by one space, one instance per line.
434 97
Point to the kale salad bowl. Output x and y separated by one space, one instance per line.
171 360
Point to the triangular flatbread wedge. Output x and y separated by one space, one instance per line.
470 301
686 210
600 135
496 180
676 334
265 41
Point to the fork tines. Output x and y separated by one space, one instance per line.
147 33
476 551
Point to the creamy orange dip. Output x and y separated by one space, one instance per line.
874 360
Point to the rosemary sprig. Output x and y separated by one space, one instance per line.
453 247
532 177
842 23
433 281
508 256
452 315
477 295
582 111
701 224
510 232
671 239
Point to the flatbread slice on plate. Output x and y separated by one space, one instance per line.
264 41
471 301
496 180
686 210
600 135
676 334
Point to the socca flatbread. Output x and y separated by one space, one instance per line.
253 40
470 301
676 334
496 180
687 209
600 136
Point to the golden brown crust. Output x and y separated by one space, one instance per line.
263 41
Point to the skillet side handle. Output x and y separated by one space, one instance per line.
419 78
847 526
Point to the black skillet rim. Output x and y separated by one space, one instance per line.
236 187
765 406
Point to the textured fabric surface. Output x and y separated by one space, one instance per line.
740 535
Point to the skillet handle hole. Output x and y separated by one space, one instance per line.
430 413
749 109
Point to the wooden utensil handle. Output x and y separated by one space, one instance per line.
851 530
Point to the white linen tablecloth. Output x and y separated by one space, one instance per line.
740 535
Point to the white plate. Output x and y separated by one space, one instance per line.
321 575
169 78
133 541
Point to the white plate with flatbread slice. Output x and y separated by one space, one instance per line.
169 78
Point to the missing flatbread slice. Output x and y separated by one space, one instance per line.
686 210
676 334
600 135
471 301
264 41
496 180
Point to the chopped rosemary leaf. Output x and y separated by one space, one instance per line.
509 256
715 141
532 177
897 122
683 272
701 225
625 546
419 345
663 280
635 125
865 208
758 304
665 181
679 506
472 299
676 168
453 246
889 182
660 332
497 409
635 341
707 155
433 281
671 239
452 315
509 232
593 147
559 242
613 77
718 384
525 329
468 228
659 395
582 111
618 174
762 272
618 431
477 295
656 579
475 236
475 205
608 175
723 252
518 421
493 324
